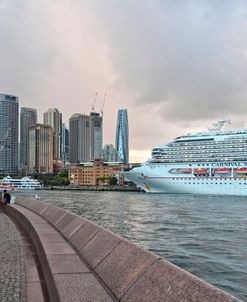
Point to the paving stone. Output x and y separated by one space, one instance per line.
80 287
34 292
84 234
71 228
121 269
66 264
99 247
12 268
58 249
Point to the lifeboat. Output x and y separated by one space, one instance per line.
186 171
222 170
200 171
241 170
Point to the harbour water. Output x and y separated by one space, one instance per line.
206 235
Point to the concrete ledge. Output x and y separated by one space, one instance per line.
83 262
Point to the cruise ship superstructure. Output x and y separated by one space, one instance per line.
212 162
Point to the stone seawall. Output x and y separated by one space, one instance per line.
82 261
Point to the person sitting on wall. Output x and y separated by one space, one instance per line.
6 199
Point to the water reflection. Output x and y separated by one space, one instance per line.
203 234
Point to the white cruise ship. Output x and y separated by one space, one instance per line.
212 162
25 183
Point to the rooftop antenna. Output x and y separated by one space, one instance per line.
102 106
94 101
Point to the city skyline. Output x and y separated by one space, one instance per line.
183 63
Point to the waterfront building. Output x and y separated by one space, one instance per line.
81 138
40 149
97 125
94 173
109 154
122 136
28 118
9 130
65 144
53 118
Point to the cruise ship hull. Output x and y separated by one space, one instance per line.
156 179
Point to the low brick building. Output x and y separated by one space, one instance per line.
94 173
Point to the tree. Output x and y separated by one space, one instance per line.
64 173
112 181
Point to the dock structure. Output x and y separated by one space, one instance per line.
51 254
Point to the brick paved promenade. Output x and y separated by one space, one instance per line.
12 270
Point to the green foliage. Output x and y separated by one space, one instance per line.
64 174
52 180
112 181
60 181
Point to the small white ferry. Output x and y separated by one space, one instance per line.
25 183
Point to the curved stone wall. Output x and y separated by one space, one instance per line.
83 262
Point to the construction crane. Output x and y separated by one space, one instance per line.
102 106
94 101
3 141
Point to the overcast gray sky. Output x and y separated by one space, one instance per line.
176 65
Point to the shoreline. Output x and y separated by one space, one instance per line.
93 188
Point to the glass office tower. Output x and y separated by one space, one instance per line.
122 136
65 144
28 118
9 128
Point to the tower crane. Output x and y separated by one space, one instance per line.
102 106
94 101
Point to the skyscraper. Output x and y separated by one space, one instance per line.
122 136
40 149
53 118
81 138
28 118
65 144
9 128
97 125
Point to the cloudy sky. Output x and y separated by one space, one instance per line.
176 65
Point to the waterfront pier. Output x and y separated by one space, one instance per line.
51 254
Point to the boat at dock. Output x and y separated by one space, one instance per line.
210 162
25 183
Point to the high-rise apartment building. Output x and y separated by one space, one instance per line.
97 124
40 149
81 138
9 129
65 144
122 136
109 154
28 118
53 118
